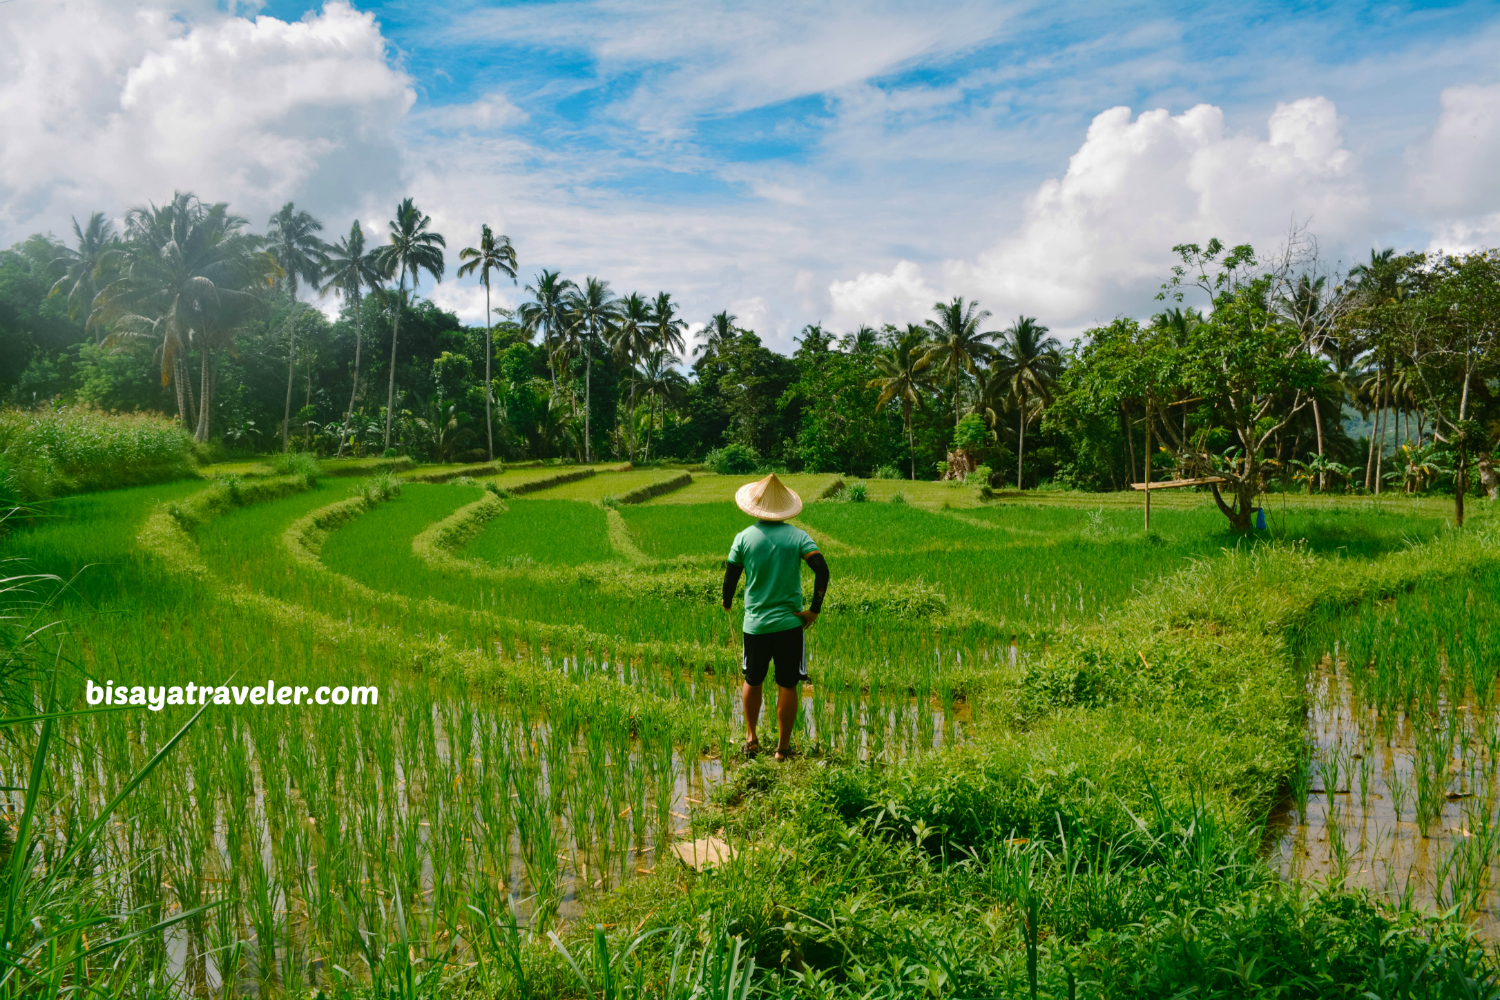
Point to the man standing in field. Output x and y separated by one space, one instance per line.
769 554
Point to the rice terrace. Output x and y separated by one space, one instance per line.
620 501
1059 749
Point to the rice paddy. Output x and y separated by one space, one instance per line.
1399 791
558 708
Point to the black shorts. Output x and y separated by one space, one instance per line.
785 647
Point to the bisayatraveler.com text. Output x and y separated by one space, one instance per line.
269 694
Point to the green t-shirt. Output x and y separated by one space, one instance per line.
771 552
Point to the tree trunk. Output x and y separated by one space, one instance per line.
1147 480
390 392
1021 444
291 361
1462 484
180 383
1318 425
353 389
547 343
1129 440
588 371
650 422
632 413
911 444
1239 515
1370 452
1380 420
489 426
205 395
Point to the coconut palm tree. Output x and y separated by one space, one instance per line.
719 332
592 312
902 377
544 314
186 279
350 271
666 326
662 383
631 339
494 253
85 267
1030 362
958 343
292 240
413 248
865 340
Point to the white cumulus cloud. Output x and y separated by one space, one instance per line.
902 296
1093 240
1458 179
106 105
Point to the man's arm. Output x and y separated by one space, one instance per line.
732 574
819 567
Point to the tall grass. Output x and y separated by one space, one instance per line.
48 453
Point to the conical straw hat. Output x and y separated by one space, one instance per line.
768 499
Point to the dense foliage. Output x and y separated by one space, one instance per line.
1279 376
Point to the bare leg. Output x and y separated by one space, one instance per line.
751 699
786 716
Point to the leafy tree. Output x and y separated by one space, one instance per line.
547 314
1250 370
752 382
1453 341
1028 363
865 340
493 254
187 272
413 248
666 326
87 265
958 345
632 339
903 378
299 253
351 269
662 383
593 311
719 334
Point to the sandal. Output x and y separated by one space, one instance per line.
751 749
783 756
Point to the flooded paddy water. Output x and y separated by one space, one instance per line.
1399 789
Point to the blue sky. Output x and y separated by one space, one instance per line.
799 162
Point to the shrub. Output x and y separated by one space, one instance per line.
381 486
80 449
732 460
887 472
855 492
899 497
611 501
980 478
971 433
388 453
296 463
